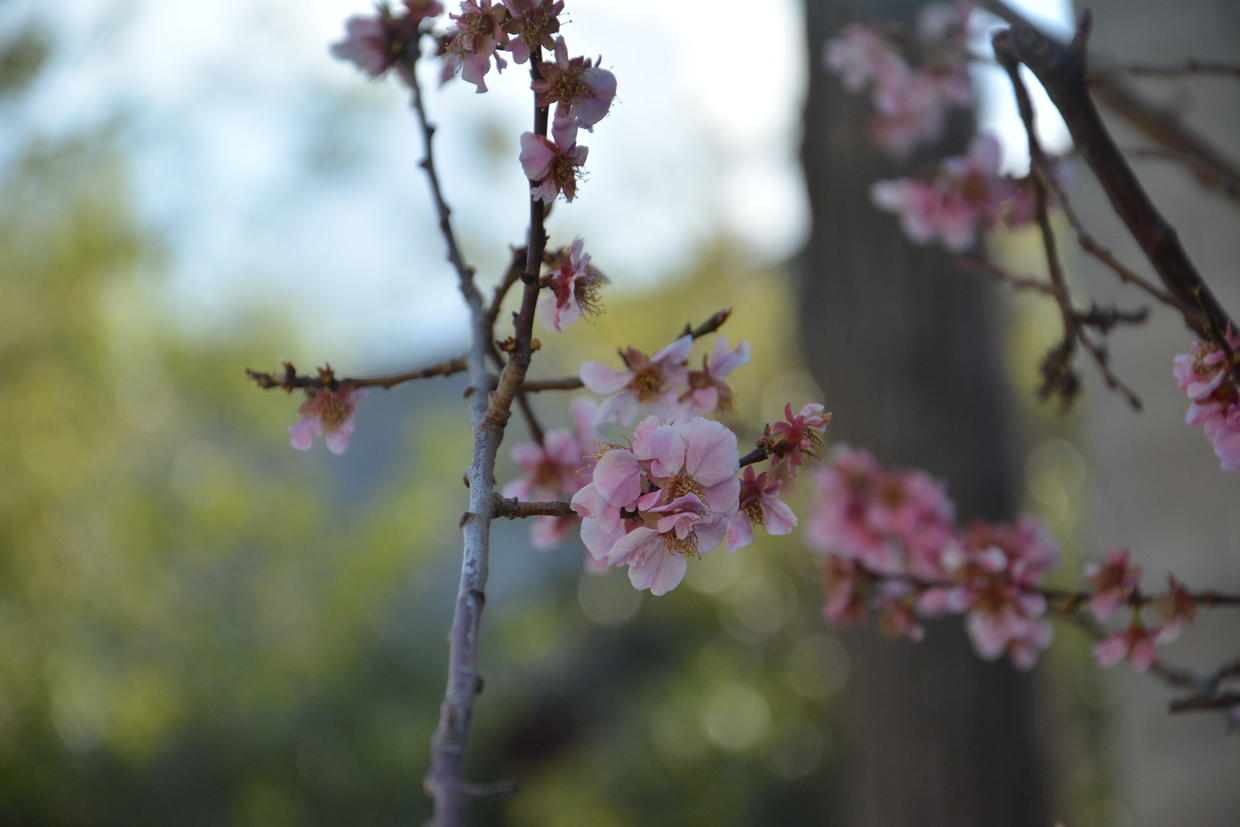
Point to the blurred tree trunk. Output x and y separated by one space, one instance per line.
907 353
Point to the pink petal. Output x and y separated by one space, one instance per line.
740 531
1112 650
617 477
636 546
536 156
661 573
303 433
711 454
779 517
667 451
603 379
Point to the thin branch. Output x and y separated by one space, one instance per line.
513 509
1205 174
1160 124
288 380
983 267
572 383
511 276
1192 66
1061 70
756 455
489 413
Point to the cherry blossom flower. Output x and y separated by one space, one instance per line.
560 467
707 391
966 194
579 89
1177 609
329 414
1135 643
553 165
896 617
574 287
377 42
667 498
1114 581
470 47
759 505
862 57
789 442
532 23
654 381
1214 397
844 583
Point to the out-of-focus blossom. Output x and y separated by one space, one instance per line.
377 42
558 468
707 389
664 500
1214 397
896 617
553 165
1135 643
966 194
1177 609
798 436
532 23
329 414
759 505
651 381
1113 580
574 287
469 47
910 102
579 89
844 584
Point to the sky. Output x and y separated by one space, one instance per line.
275 176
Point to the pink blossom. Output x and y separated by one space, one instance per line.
329 414
553 166
654 381
759 505
470 47
862 57
843 582
1177 609
579 89
966 194
666 499
1135 643
789 442
1214 397
707 391
558 468
574 287
377 42
532 23
1114 581
896 618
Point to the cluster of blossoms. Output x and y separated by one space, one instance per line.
1208 379
674 493
964 194
580 90
912 80
890 543
1115 581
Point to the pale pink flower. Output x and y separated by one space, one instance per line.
666 499
377 42
532 24
1114 581
553 165
653 381
839 521
574 286
329 414
1135 643
707 389
798 436
470 47
1214 397
908 111
759 505
862 57
579 89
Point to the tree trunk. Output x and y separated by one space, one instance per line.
906 351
